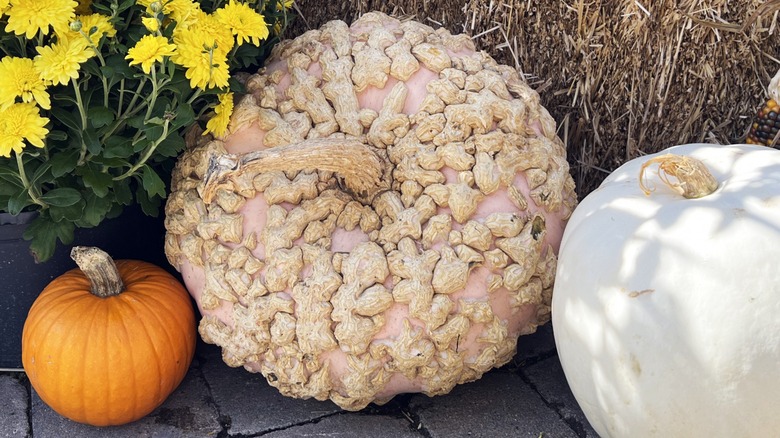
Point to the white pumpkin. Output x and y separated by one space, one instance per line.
666 310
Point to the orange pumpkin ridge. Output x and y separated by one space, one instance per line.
113 360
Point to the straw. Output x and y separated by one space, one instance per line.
622 78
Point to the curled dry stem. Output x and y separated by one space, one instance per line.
360 167
694 180
100 269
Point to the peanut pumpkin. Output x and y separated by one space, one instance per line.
382 216
107 343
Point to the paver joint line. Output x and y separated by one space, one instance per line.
224 420
577 428
302 423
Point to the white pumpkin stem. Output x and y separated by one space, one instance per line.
358 164
100 269
692 179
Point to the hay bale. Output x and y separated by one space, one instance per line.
622 78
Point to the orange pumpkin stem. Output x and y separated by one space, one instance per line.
100 269
692 179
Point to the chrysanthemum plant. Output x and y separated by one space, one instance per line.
95 97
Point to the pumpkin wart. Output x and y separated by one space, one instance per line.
413 279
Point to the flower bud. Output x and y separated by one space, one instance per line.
156 7
75 26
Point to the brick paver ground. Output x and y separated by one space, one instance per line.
528 397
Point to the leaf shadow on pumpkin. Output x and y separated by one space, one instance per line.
663 277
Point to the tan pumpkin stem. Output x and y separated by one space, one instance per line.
100 269
359 166
693 179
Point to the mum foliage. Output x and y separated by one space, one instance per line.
95 96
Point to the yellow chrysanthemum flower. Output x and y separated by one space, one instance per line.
205 75
19 122
151 24
101 24
219 123
206 65
218 35
182 11
245 23
58 63
27 17
148 50
4 6
19 78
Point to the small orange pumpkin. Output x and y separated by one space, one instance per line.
107 343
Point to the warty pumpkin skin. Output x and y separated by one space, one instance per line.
113 360
381 217
665 309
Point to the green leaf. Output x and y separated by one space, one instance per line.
86 94
136 122
236 86
56 135
118 147
141 145
92 140
184 117
100 116
126 4
8 190
161 106
18 202
248 54
153 132
102 8
95 210
65 97
122 192
68 118
91 66
115 211
170 147
110 162
64 162
11 176
93 178
152 182
64 230
44 238
70 213
42 174
44 232
61 197
108 72
170 68
180 83
119 66
151 207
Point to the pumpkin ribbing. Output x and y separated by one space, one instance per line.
672 327
109 360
